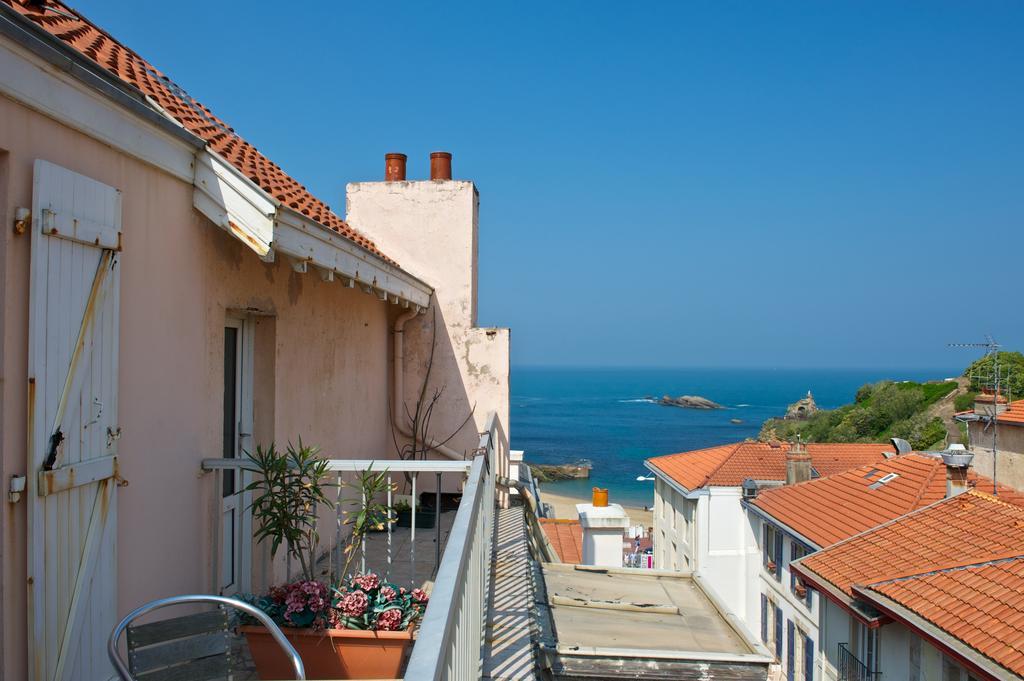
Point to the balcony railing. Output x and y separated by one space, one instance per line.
852 669
451 634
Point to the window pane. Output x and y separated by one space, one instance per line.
230 422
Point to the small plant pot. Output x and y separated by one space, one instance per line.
424 519
331 654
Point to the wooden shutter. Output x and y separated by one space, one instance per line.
764 618
778 554
778 633
791 651
808 658
74 301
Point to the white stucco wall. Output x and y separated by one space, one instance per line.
431 229
1010 447
780 594
707 532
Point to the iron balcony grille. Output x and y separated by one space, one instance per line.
852 669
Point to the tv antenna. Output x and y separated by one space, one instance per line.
993 381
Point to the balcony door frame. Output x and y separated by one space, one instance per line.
235 573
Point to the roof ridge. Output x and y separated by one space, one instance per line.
926 486
994 559
721 463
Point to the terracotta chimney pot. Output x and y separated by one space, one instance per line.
440 165
394 167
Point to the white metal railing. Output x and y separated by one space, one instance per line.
451 637
395 469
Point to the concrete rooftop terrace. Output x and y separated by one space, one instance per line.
615 623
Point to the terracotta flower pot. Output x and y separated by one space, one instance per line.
331 654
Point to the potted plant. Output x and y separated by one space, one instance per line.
359 628
403 516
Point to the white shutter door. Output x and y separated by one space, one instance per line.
74 325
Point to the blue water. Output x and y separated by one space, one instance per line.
564 415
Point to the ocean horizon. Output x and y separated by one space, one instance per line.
609 416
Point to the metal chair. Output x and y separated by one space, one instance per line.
194 647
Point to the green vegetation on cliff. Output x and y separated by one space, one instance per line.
1011 369
880 411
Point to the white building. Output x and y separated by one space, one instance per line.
936 594
804 629
700 523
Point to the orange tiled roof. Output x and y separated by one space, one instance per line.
830 509
82 35
981 604
729 465
1014 413
968 528
566 537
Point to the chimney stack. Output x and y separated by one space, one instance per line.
394 167
958 462
603 527
440 165
798 463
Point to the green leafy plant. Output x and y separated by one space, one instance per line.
402 507
286 493
368 513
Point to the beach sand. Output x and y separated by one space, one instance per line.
565 507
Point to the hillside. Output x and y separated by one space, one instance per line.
920 413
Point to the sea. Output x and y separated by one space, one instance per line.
610 417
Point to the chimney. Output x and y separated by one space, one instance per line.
990 404
440 165
394 167
958 462
798 463
603 530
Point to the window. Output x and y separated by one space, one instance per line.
771 546
797 551
915 658
951 671
808 657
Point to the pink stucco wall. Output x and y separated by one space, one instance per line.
323 365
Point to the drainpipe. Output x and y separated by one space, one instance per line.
399 389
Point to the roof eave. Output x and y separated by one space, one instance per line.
836 595
56 52
750 506
935 635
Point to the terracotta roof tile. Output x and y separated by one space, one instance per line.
729 465
968 528
80 34
981 604
1014 413
830 509
566 537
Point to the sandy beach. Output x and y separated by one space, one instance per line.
565 507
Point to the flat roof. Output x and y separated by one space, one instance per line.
624 614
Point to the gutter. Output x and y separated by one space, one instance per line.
664 477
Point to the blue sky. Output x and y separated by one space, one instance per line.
713 184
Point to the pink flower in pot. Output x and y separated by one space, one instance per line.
354 604
390 620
